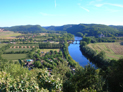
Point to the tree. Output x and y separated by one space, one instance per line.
85 78
83 43
87 39
115 76
37 64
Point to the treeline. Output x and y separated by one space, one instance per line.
98 59
67 56
49 46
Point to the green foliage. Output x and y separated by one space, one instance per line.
83 43
84 78
87 39
47 81
61 71
22 83
37 64
115 76
49 46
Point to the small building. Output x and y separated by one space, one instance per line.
28 62
101 35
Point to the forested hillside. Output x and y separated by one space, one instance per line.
120 28
26 29
90 29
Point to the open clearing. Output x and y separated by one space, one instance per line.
18 49
2 44
112 50
14 56
8 35
25 45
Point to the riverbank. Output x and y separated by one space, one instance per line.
99 59
76 54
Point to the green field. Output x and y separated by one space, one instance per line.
8 34
2 44
112 50
14 56
18 49
26 45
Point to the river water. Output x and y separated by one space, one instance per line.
76 54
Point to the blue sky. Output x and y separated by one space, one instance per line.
60 12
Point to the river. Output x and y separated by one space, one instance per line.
76 54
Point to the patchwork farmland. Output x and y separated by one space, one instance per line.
112 50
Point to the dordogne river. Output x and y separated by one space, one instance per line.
76 54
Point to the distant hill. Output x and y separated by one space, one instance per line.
26 28
88 29
120 28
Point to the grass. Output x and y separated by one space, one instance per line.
18 49
8 35
112 50
2 44
26 45
14 56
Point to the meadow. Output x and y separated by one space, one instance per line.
14 56
2 44
8 35
112 50
25 45
18 49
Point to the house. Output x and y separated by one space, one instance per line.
28 62
101 35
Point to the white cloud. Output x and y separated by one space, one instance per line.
83 7
118 5
95 1
100 5
55 4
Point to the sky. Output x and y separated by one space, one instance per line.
60 12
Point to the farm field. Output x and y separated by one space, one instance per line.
8 35
2 44
112 50
25 45
14 56
18 49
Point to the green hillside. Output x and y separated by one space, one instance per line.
88 29
26 28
